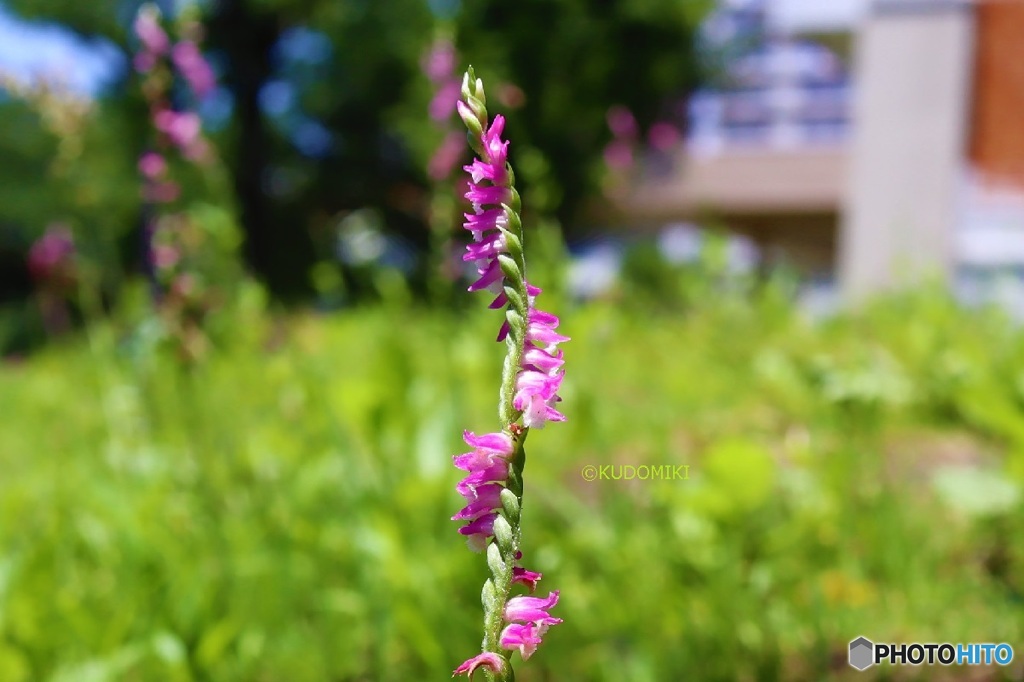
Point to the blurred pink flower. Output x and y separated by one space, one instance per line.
663 136
164 256
161 192
439 62
198 151
443 103
147 28
51 251
181 127
618 155
446 157
511 95
194 67
152 165
621 122
144 61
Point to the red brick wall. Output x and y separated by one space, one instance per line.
997 130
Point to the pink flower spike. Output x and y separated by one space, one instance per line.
526 638
488 659
532 609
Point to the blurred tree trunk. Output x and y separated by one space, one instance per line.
279 254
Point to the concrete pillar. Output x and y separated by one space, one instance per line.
911 112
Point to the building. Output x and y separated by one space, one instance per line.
868 143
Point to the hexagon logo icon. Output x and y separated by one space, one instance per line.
862 653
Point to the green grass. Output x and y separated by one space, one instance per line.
280 511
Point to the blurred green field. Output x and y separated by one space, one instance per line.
280 511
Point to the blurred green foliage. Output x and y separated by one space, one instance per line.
280 511
559 66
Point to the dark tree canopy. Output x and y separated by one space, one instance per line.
366 97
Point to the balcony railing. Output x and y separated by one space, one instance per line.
786 115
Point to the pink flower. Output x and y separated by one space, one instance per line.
50 252
444 101
536 395
621 122
481 196
526 637
194 67
482 222
164 256
485 447
618 155
541 327
144 61
532 609
487 468
181 127
502 300
446 157
152 165
486 660
439 63
490 276
485 251
494 146
484 499
663 137
147 28
524 577
492 473
478 532
528 620
162 192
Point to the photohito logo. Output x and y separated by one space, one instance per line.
864 653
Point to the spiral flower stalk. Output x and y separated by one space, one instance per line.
531 377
